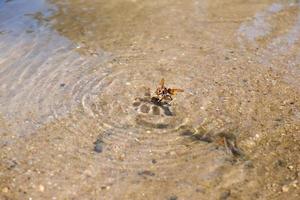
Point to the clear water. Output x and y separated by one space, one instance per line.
72 72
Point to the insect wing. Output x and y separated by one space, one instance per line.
175 91
162 83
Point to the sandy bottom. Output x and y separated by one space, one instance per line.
76 116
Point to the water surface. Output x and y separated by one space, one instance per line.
74 74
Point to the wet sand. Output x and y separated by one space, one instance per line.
77 121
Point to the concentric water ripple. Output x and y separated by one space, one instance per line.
109 103
39 69
94 110
45 79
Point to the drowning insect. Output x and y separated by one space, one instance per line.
164 93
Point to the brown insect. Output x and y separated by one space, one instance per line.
164 93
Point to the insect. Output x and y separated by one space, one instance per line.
164 93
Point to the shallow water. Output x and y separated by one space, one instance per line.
74 75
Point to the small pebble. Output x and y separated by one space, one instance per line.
225 195
121 157
146 173
88 173
154 161
249 164
105 188
62 85
98 146
285 188
200 190
173 197
5 190
294 183
281 163
41 188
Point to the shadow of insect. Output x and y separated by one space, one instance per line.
221 138
165 106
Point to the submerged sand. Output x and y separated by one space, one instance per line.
77 122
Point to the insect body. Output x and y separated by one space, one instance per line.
164 93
